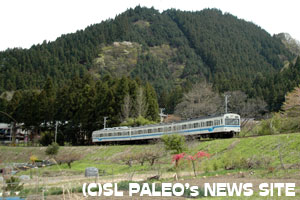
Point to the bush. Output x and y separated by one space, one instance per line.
174 143
67 158
140 121
126 158
46 138
33 158
234 160
13 184
52 149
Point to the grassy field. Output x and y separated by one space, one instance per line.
273 157
266 152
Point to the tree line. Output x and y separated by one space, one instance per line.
80 107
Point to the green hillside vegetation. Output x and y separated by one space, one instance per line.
172 50
80 107
292 44
117 59
269 156
154 64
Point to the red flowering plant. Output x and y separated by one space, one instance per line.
200 154
177 158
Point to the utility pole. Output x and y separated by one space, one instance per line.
11 130
56 124
162 115
105 122
226 102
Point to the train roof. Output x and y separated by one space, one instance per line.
163 124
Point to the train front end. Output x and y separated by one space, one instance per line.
232 123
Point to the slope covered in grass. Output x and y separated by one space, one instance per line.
265 152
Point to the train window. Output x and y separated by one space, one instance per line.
145 131
196 125
169 128
160 129
126 133
110 134
178 127
155 130
134 132
217 122
184 126
190 126
221 121
149 130
209 123
140 131
119 133
202 124
232 122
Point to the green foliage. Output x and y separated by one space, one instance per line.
46 138
139 121
174 143
257 153
13 184
52 149
79 107
170 49
277 124
234 160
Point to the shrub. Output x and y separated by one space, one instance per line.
174 143
126 158
233 160
52 149
139 121
46 138
33 158
67 158
177 158
13 184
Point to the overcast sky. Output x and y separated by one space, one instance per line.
27 22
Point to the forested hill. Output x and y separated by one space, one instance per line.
168 49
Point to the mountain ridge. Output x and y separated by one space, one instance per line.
207 45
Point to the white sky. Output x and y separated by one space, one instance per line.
27 22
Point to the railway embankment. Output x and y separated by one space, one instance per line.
270 156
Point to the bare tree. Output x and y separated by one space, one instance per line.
246 107
67 158
236 101
126 107
140 103
199 101
291 106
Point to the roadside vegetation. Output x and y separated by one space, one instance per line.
285 121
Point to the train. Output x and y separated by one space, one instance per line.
223 126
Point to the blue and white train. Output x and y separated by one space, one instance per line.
225 125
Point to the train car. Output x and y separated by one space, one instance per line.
225 125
